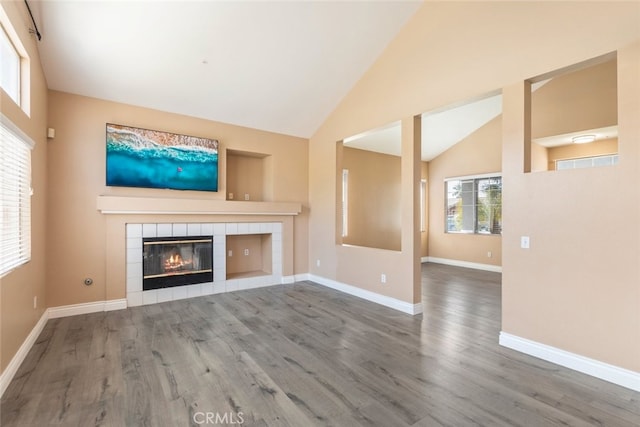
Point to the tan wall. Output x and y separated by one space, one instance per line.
446 54
18 288
78 232
540 158
575 101
479 153
374 199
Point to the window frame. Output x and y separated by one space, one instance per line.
15 196
475 180
345 202
23 98
16 61
423 205
615 159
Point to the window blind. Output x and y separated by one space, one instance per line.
15 197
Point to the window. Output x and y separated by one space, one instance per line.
587 162
474 205
15 197
10 71
423 205
345 202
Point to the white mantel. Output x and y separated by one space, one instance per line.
122 205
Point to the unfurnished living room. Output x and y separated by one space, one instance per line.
340 213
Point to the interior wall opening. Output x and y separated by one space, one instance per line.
574 116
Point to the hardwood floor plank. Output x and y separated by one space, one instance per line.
303 355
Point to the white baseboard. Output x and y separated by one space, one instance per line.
18 358
302 277
466 264
53 313
595 368
87 307
115 304
287 280
394 303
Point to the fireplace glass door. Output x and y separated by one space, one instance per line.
177 261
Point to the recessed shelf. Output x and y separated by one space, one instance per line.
247 274
249 176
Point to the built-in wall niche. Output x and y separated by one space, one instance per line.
249 176
248 255
574 117
369 189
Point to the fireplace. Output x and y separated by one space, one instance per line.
176 261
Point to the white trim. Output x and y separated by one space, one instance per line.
5 121
287 280
87 307
152 212
302 277
18 358
115 304
604 371
394 303
466 264
424 259
479 176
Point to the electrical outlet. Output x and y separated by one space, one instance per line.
317 263
489 254
246 196
524 242
35 301
383 278
246 252
230 196
230 253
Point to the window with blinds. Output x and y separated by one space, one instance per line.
15 197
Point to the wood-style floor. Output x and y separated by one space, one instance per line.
304 355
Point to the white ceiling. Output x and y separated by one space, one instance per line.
277 66
440 130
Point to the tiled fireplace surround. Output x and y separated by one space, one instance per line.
135 232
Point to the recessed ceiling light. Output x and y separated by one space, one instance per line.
583 139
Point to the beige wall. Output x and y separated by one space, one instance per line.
479 153
78 232
374 199
578 287
18 288
579 100
540 158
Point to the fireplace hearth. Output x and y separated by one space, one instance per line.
176 261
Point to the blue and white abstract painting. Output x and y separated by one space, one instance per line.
152 159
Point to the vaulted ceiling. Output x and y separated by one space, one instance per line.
275 66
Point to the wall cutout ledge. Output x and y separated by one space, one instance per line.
119 205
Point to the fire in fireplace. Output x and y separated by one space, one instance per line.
176 261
